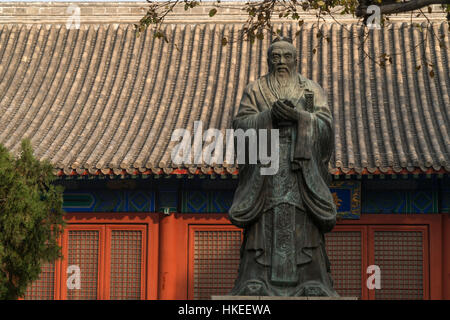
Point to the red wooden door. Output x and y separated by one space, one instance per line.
46 287
111 260
401 253
214 259
191 256
347 250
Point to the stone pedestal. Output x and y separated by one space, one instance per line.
279 298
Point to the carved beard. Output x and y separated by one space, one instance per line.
284 86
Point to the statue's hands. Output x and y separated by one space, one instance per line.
284 111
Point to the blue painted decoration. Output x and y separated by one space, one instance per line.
110 201
347 197
206 201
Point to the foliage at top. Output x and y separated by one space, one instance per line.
261 12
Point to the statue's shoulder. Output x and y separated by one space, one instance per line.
255 85
311 85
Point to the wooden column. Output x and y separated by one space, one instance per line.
173 248
446 256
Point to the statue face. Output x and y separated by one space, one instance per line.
282 59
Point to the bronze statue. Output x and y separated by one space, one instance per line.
285 215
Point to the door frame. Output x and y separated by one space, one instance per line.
364 252
111 221
434 224
201 227
100 257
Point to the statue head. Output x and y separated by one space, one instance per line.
282 57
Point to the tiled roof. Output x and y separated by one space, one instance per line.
99 99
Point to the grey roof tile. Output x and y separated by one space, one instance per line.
98 99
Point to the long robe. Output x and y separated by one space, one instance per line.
312 147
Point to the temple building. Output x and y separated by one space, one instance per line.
101 105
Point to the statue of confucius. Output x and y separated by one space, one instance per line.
285 215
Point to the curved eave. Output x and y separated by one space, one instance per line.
235 172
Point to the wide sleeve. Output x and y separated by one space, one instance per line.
314 170
248 198
324 133
250 115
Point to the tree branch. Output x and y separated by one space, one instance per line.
397 7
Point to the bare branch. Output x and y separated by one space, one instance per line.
389 7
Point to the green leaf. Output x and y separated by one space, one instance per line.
212 12
224 41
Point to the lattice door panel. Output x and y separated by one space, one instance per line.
345 251
111 259
400 256
126 262
83 251
44 287
214 260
